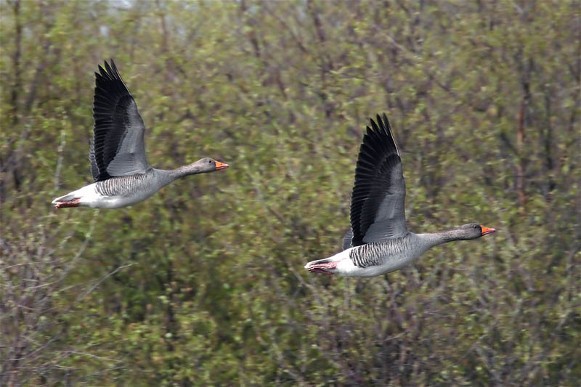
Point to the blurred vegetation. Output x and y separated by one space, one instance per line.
204 284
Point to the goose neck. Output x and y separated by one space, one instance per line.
182 171
438 238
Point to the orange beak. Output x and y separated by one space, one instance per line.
487 230
220 165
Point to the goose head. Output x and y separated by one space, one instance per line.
472 231
203 165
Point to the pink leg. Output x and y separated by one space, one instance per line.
70 203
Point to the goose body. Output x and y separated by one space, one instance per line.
119 164
378 241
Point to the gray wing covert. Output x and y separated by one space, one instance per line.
346 242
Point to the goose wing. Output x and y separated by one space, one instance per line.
118 147
347 238
378 199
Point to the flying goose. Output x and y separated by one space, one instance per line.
118 161
379 241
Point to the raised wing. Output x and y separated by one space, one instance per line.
347 238
118 147
378 199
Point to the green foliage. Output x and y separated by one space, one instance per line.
203 284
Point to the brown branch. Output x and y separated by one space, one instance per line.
519 166
17 85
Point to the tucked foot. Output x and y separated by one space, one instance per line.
69 203
322 267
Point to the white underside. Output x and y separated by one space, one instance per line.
346 268
89 197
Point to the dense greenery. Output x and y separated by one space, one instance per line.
204 283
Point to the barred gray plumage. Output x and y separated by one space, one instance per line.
123 185
375 254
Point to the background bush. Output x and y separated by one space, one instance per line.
204 283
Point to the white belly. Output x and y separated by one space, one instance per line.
89 197
345 266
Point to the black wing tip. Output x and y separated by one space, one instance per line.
380 123
108 71
378 130
383 122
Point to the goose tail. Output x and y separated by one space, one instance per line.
68 200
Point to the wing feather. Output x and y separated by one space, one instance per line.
378 199
118 146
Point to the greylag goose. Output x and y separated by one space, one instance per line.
379 241
118 162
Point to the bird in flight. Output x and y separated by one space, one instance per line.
119 164
379 241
